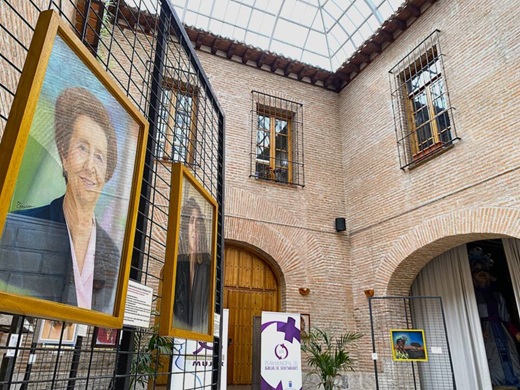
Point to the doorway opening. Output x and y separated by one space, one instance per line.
250 287
498 313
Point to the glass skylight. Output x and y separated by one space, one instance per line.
323 33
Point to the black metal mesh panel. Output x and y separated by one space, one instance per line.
411 313
146 51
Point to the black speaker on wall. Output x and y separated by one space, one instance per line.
341 225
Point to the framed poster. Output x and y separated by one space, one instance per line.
408 345
189 269
105 337
52 332
70 177
305 325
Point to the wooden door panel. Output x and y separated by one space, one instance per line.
250 287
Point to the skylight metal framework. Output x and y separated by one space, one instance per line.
322 33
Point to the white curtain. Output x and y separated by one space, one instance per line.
512 250
449 276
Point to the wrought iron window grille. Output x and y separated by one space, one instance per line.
276 139
423 115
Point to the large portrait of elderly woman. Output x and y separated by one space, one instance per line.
187 306
72 154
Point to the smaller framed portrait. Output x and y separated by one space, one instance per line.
105 337
56 332
188 292
305 325
408 345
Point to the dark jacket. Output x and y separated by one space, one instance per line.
191 308
35 258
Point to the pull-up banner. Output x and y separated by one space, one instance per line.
280 352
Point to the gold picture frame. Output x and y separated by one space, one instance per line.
190 263
408 345
70 177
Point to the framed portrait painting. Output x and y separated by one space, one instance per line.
305 325
188 292
105 337
56 332
70 176
408 345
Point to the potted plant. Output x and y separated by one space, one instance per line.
327 356
146 361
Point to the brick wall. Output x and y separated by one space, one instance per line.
292 226
465 194
397 220
20 33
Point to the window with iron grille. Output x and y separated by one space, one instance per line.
176 135
276 139
422 110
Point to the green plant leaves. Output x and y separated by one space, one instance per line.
327 356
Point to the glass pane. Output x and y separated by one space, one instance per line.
263 150
281 159
282 165
424 137
282 175
180 145
423 130
422 76
438 96
440 105
182 129
280 126
420 106
263 123
443 125
281 142
263 171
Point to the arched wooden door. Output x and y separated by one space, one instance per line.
250 287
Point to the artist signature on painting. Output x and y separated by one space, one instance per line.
20 205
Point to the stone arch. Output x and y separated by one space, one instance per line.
280 242
414 249
297 254
269 244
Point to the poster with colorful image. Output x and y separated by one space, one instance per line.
408 345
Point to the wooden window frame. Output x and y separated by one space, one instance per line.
419 66
168 136
273 117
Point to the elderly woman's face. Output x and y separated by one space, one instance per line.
86 161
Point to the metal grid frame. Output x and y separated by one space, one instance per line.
425 313
427 55
139 47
